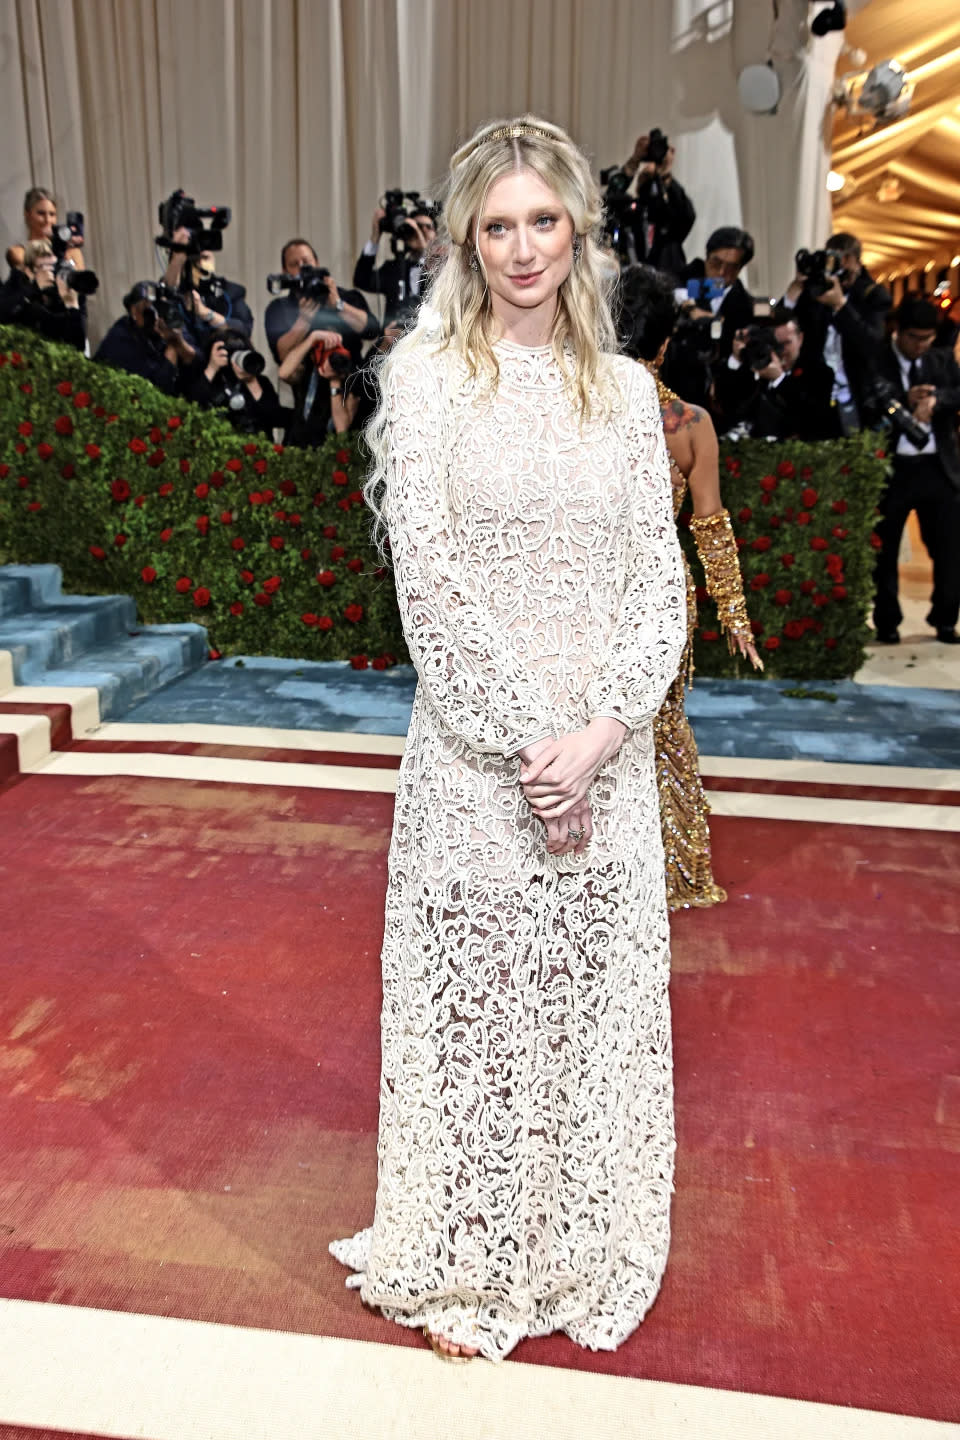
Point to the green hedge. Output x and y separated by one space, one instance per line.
129 490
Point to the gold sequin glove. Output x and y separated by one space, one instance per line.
717 549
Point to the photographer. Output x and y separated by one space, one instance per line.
313 302
714 305
919 388
412 229
44 297
319 369
232 380
765 390
842 312
664 214
143 343
209 300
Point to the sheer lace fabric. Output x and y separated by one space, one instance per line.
525 1155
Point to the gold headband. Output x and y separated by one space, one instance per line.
515 132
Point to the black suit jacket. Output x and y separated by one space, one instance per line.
938 368
391 281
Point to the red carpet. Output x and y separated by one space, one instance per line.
189 1079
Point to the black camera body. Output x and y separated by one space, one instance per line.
83 282
312 283
242 357
206 225
819 268
760 348
884 397
400 207
657 147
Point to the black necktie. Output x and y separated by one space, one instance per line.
914 374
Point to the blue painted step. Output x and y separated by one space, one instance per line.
57 639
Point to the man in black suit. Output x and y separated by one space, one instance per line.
843 324
926 477
771 389
399 279
714 305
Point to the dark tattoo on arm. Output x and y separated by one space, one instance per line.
678 415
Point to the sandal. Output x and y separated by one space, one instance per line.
434 1342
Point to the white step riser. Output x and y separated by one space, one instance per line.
33 738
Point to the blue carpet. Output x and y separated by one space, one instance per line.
867 724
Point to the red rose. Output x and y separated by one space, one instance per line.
732 465
235 466
214 655
337 552
343 457
786 560
359 662
324 623
809 497
98 553
768 483
255 497
803 517
35 505
772 642
839 507
835 564
184 584
156 435
343 504
839 533
880 454
740 542
156 459
278 449
139 501
785 470
760 582
830 643
818 543
762 542
63 425
93 451
745 514
709 635
44 451
99 411
4 471
216 480
794 629
875 540
272 585
839 592
174 422
277 542
249 449
201 596
23 482
166 535
260 466
148 574
353 613
27 388
267 496
305 554
166 488
261 599
120 490
319 498
783 597
68 472
340 477
226 517
203 523
295 519
246 576
119 541
138 446
310 619
806 471
774 522
64 388
201 491
356 496
329 532
807 587
20 447
380 663
238 544
326 578
287 487
355 565
25 428
236 608
821 600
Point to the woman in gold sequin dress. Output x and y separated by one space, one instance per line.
647 320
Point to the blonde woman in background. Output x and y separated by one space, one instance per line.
526 1109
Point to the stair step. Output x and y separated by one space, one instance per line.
130 668
9 756
59 716
32 735
38 584
38 640
6 670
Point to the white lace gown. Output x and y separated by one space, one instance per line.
525 1157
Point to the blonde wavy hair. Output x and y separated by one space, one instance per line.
458 299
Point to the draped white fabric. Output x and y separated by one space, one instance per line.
298 113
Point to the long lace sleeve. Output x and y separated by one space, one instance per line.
464 661
650 631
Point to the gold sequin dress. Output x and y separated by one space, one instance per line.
683 804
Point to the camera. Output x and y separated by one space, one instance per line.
819 268
312 283
760 348
249 362
181 211
657 147
400 207
83 282
339 357
618 209
883 395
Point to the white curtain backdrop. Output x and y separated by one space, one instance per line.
299 113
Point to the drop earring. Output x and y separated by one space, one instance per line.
577 248
474 262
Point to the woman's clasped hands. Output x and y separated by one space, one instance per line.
556 776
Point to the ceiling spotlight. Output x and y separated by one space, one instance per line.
882 88
834 17
955 262
835 181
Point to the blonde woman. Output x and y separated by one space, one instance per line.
526 1117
